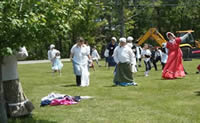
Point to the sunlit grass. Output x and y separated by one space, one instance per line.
154 101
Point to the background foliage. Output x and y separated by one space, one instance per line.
38 23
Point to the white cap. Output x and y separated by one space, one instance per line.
52 46
122 40
113 38
130 38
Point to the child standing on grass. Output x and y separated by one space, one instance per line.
146 53
95 56
57 65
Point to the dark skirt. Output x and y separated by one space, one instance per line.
123 73
111 61
16 101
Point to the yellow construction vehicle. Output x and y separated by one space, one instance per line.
152 33
186 46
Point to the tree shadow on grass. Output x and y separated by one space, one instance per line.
197 93
71 85
29 119
111 86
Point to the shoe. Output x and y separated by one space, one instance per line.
197 72
146 75
135 84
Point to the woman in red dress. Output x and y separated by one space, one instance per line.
174 66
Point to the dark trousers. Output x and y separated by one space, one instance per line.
78 80
154 64
154 61
147 65
163 65
139 60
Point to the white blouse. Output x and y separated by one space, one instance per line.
146 52
80 54
123 54
95 55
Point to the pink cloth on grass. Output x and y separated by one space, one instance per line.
64 101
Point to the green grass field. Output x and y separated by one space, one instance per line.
153 101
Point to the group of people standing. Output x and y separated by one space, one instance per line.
126 57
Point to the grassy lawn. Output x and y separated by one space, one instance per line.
153 101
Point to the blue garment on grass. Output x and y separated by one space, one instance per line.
45 102
124 83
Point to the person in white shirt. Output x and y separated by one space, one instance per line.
95 56
124 58
164 55
52 53
146 54
130 44
79 56
16 101
138 54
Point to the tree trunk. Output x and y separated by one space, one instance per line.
121 18
3 114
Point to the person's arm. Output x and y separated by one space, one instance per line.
71 56
115 54
71 53
98 56
184 36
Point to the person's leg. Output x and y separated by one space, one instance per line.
97 61
185 71
163 65
59 71
106 61
139 64
146 68
78 80
198 69
154 64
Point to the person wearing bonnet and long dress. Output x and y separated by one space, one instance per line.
124 58
174 66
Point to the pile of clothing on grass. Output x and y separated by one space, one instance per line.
54 99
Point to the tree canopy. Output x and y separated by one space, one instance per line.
38 23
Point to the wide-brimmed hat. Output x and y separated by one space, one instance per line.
170 34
